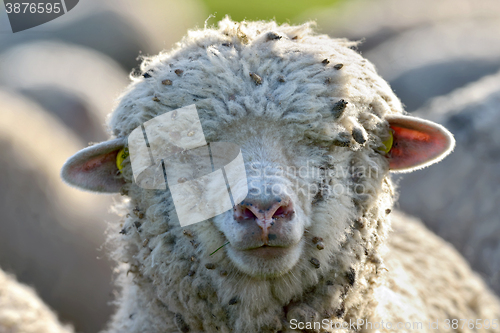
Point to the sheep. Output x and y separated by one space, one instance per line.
426 62
49 233
418 46
21 311
94 24
75 83
317 125
379 21
457 199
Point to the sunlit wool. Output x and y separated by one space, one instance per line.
276 91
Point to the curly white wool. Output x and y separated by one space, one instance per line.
288 97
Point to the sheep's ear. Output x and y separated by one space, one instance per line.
94 168
417 143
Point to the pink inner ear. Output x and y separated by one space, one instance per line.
417 143
98 162
98 173
94 168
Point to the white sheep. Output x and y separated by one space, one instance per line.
377 21
50 233
21 311
116 28
458 198
418 45
314 120
429 61
76 83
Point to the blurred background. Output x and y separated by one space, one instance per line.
58 81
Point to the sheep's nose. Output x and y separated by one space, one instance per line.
268 213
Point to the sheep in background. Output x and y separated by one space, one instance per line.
292 100
77 84
50 233
381 20
116 28
418 46
426 62
458 199
21 311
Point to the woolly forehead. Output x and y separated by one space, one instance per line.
261 73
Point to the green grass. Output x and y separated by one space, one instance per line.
282 11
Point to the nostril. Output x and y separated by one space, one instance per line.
279 212
285 210
247 214
243 213
264 213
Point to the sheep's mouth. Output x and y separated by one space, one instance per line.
266 260
268 251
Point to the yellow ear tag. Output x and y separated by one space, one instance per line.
122 155
388 143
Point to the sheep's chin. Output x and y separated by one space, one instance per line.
266 261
